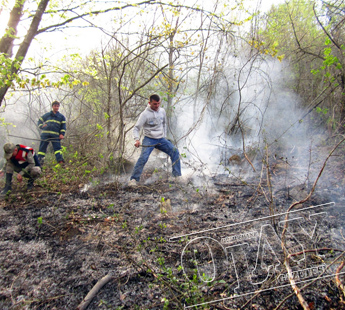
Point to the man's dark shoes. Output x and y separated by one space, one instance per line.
6 190
8 184
30 184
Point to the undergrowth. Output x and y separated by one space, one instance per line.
69 176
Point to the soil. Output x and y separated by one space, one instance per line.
56 246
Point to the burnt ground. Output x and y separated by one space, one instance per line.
55 246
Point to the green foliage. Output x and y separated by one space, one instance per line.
76 171
167 277
7 77
310 38
286 21
3 123
331 66
10 78
162 225
138 228
321 111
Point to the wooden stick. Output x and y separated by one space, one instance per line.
294 286
337 280
248 160
87 300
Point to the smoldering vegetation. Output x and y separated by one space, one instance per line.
55 248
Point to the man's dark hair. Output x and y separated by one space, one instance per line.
155 98
55 102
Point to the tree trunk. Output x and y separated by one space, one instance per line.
342 102
24 46
170 82
6 42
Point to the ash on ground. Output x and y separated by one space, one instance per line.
54 247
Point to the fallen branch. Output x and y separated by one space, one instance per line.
294 286
313 281
340 285
86 301
314 250
248 160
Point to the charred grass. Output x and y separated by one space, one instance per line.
58 241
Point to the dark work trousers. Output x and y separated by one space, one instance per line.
55 140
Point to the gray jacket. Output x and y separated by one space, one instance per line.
152 122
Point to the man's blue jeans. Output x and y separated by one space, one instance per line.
163 145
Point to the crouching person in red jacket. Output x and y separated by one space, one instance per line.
23 160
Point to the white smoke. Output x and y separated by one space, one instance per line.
269 116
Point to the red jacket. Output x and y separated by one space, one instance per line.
22 154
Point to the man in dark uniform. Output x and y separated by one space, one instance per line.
53 126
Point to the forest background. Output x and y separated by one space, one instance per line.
240 81
234 77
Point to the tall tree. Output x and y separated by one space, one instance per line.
331 18
67 12
311 37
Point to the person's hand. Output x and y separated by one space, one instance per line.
137 143
44 125
61 137
2 174
19 177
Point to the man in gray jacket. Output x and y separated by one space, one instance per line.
153 121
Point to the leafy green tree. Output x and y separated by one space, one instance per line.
290 32
309 35
116 77
48 15
331 18
180 43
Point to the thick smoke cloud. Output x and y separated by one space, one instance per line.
250 101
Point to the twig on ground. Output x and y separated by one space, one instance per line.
337 280
87 300
317 278
294 286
